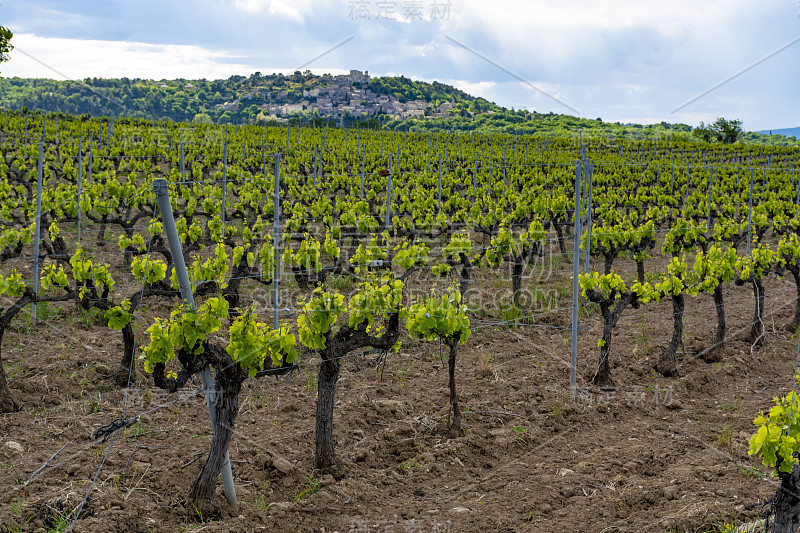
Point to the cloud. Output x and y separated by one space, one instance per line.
251 6
79 59
285 10
615 59
296 10
46 20
481 88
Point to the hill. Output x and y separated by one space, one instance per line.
241 99
354 100
788 132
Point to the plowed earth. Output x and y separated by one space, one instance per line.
655 454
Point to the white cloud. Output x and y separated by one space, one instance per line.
484 89
44 19
251 6
296 10
79 59
282 9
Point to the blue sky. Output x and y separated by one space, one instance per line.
621 60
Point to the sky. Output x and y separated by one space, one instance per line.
623 61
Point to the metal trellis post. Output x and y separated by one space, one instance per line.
161 190
750 210
575 273
276 279
389 196
38 226
80 179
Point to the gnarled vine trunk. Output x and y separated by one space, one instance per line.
757 330
337 345
667 366
611 314
101 234
712 353
7 402
786 504
325 450
228 384
241 272
454 425
602 378
128 347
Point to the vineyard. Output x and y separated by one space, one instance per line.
309 329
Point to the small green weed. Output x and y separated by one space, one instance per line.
653 384
401 377
311 383
558 404
198 511
725 434
530 512
97 405
751 473
16 371
19 514
45 311
510 314
731 408
91 315
339 282
137 429
260 498
58 523
485 361
411 463
311 487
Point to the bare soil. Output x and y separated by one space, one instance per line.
655 454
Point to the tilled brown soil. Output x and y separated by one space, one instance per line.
655 454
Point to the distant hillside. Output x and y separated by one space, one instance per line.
788 132
353 100
241 99
524 122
